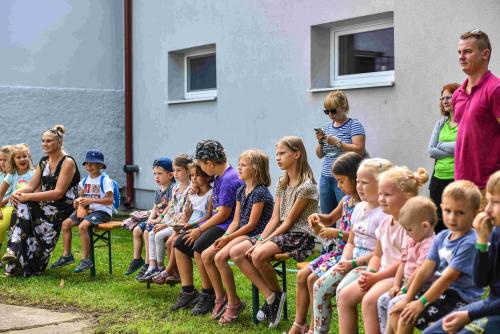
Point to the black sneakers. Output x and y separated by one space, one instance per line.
276 309
134 265
84 264
142 271
185 300
63 261
263 312
204 305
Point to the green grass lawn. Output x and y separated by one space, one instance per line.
122 305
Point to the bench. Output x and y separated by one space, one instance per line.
101 232
279 264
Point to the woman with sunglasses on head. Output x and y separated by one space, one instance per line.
342 134
42 205
442 149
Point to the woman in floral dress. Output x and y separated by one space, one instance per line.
42 205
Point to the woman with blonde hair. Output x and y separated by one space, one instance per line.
41 213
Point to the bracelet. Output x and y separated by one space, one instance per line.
404 290
162 216
423 300
354 264
482 247
339 237
259 238
372 270
226 234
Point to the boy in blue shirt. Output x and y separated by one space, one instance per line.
450 260
482 316
99 204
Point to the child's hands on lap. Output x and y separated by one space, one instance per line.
344 266
366 280
221 242
76 202
394 291
84 201
399 306
191 236
328 233
159 227
412 311
455 321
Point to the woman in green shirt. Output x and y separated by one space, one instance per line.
442 149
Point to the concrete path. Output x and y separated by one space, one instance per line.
18 319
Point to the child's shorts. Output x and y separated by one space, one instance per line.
297 245
447 302
95 217
205 240
145 227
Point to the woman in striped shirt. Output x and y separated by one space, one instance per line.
342 134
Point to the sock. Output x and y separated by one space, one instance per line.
271 298
188 288
210 291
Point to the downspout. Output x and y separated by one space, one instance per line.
129 167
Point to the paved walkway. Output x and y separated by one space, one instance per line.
24 320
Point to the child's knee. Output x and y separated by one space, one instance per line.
303 275
84 226
221 258
207 256
259 258
137 232
237 254
67 224
311 279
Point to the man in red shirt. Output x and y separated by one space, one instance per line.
476 107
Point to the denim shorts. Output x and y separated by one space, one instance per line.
145 227
95 217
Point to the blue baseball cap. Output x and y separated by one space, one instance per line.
94 156
165 163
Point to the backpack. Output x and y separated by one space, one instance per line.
116 191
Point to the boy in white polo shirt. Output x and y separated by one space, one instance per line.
96 196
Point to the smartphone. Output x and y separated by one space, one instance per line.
318 130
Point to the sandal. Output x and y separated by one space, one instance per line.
304 329
232 312
219 308
161 278
172 279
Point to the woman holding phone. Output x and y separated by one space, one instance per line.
341 134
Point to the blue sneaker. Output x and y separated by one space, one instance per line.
63 261
84 264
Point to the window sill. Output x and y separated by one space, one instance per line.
352 86
201 99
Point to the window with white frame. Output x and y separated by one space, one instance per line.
200 75
362 55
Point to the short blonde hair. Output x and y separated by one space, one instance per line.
417 210
493 185
260 166
335 100
407 181
376 166
463 190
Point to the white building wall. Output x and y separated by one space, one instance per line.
263 74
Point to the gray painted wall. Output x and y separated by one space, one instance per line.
62 63
263 73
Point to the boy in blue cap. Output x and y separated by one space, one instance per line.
98 203
164 178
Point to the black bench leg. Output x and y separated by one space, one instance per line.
255 303
109 253
91 251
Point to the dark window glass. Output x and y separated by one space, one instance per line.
365 52
201 73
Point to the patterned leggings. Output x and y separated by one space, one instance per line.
325 288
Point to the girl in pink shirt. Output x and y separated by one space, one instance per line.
396 186
418 217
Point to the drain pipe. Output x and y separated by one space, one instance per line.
129 167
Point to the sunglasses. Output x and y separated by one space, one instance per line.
330 111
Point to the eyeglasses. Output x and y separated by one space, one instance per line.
328 111
445 98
